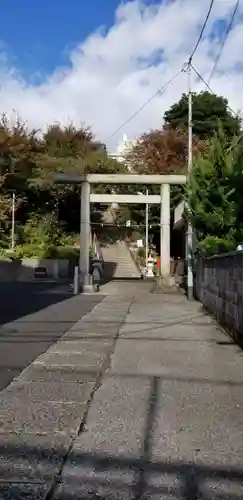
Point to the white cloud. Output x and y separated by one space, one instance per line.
112 73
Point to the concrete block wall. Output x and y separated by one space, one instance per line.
24 270
219 286
55 268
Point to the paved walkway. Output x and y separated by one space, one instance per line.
32 317
141 399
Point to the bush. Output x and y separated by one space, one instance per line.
68 252
141 253
32 251
213 245
214 195
69 240
29 251
4 254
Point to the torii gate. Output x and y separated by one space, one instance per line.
165 181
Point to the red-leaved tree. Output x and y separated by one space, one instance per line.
162 151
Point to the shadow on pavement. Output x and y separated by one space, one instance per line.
59 473
32 318
176 480
109 271
18 299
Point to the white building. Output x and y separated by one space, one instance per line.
124 146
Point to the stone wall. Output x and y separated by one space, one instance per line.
25 270
55 268
219 286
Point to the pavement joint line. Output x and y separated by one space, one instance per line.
91 367
33 434
62 353
42 381
84 340
15 482
60 402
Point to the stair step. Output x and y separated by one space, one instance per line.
118 255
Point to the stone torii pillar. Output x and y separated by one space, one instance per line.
165 232
84 235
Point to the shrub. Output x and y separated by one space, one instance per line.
141 252
32 251
28 251
4 255
214 195
213 245
56 252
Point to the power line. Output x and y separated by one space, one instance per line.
228 30
210 89
162 89
169 82
237 115
201 33
201 78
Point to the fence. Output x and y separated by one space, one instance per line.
219 286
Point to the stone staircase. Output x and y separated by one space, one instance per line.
118 262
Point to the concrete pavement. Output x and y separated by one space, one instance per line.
141 399
32 317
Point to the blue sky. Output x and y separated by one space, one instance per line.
38 34
111 74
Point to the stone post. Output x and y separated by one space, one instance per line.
84 235
165 232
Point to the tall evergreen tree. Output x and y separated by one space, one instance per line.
207 110
213 195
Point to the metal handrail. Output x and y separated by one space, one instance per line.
96 247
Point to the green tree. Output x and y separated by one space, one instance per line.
72 151
207 110
28 164
5 211
18 148
214 195
161 151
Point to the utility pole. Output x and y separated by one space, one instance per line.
13 221
189 227
146 233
